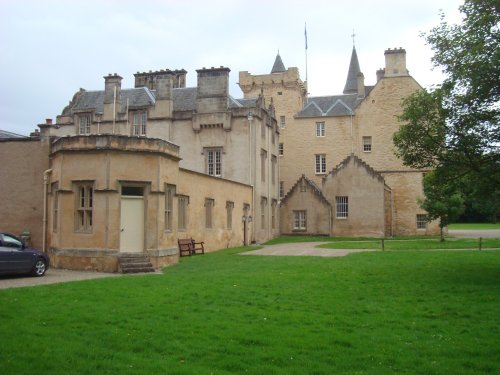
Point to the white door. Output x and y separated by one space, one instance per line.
132 224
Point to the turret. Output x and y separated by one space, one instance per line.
351 84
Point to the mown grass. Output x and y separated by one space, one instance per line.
414 244
474 226
411 312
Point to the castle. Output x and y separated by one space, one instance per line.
133 170
338 171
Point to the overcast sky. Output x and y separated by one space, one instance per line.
49 49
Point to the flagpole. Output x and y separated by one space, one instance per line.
305 35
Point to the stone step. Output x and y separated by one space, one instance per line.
134 263
138 270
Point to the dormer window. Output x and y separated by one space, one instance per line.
139 123
84 121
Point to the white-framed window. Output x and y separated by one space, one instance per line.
421 221
182 204
300 220
139 122
281 149
367 144
84 206
213 157
209 213
282 122
229 214
282 189
320 129
169 206
320 163
84 121
342 207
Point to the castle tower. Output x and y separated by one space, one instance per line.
283 87
278 66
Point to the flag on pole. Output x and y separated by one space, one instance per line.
305 33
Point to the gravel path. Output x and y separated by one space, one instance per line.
54 276
303 249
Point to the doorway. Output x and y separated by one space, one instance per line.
132 220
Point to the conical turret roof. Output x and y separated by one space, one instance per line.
351 84
278 66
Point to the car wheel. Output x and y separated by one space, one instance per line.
40 267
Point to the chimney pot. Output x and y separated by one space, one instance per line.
48 121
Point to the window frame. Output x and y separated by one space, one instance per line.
229 214
263 212
367 143
320 129
84 207
209 213
263 162
299 220
341 207
84 126
139 122
282 122
213 161
169 207
182 212
320 164
421 221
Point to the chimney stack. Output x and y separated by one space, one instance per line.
380 74
213 90
361 85
395 62
112 96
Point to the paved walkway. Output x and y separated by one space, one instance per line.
475 233
54 276
303 249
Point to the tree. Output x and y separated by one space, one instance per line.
455 128
442 200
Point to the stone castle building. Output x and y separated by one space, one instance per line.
338 150
132 170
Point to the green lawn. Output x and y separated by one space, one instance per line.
414 244
410 312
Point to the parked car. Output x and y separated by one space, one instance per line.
17 258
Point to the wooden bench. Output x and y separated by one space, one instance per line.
188 247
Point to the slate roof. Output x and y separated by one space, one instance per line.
278 66
336 105
332 105
137 98
184 100
351 84
6 134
